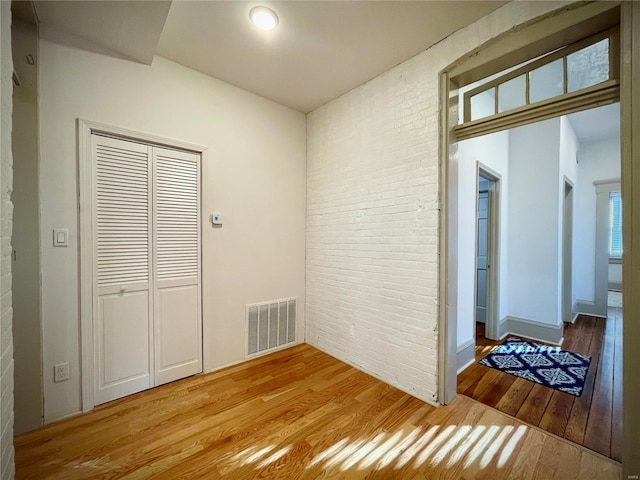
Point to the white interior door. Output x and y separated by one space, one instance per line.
481 259
178 330
147 317
122 306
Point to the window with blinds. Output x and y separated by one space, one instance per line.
615 225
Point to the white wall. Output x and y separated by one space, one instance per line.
7 469
568 169
27 345
492 151
372 213
597 161
533 162
255 177
533 221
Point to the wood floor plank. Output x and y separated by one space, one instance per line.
616 413
483 382
548 461
557 412
534 406
592 469
579 415
598 432
556 415
524 468
473 372
570 460
498 388
513 398
300 414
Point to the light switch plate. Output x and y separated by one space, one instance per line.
60 237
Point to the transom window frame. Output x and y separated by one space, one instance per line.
600 94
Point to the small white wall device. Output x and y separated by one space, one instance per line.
216 219
61 237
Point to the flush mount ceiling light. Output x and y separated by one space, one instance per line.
264 18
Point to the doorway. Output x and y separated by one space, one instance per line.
487 254
141 268
487 62
551 184
567 252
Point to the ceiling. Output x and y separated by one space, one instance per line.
320 49
131 28
596 124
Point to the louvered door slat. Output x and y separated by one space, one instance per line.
122 212
176 216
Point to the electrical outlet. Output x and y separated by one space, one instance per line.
61 372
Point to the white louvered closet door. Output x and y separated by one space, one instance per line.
122 302
147 295
178 330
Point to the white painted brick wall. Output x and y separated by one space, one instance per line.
373 213
7 469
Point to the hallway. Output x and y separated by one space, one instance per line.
594 419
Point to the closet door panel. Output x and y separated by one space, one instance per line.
178 320
122 268
123 349
178 326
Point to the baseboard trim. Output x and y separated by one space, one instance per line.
63 417
252 357
466 355
575 305
533 329
588 307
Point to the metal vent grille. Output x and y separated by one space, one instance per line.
270 325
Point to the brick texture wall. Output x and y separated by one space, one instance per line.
6 220
373 213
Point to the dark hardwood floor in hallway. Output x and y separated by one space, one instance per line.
594 419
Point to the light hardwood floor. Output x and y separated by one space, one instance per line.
594 419
297 414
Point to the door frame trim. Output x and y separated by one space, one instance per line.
503 51
567 278
493 249
85 128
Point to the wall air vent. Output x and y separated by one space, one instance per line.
270 325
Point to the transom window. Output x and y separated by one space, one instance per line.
585 67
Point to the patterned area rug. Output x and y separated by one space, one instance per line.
548 366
